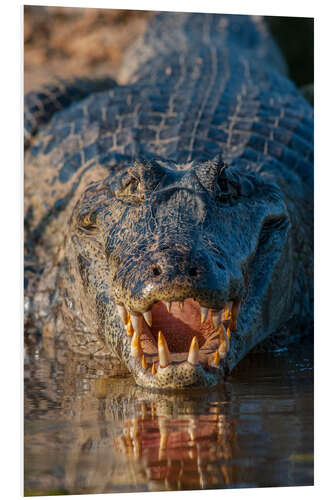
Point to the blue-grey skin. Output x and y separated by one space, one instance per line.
193 179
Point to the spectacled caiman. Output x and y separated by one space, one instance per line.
169 218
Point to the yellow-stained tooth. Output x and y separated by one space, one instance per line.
153 368
168 305
216 317
136 350
224 344
163 351
222 332
203 314
148 317
122 313
226 315
136 320
193 353
129 328
144 362
229 333
216 358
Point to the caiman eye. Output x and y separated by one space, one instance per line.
233 185
87 223
272 226
228 189
131 188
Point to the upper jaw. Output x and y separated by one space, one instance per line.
198 361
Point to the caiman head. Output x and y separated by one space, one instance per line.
180 269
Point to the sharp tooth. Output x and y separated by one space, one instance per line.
136 320
229 334
216 359
148 317
216 316
168 305
203 313
129 328
153 368
122 313
144 362
224 342
163 351
222 333
136 350
234 315
193 353
181 305
227 311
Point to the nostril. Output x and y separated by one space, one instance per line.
193 271
220 265
156 270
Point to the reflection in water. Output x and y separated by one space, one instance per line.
183 452
89 431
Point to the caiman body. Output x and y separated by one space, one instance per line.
178 202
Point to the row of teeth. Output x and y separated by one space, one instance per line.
134 325
229 312
164 356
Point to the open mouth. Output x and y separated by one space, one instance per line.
173 333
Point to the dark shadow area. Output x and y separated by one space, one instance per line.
295 37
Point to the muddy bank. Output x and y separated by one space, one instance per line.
75 41
70 41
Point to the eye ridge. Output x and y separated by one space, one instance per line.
228 190
130 189
233 184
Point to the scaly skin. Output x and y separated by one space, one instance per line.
192 181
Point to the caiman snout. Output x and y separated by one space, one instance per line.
169 267
158 270
171 276
178 314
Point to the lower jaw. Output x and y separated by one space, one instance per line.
248 330
178 376
183 375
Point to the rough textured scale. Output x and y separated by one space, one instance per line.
192 180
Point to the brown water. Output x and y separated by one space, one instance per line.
88 432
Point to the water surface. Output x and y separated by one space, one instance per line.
87 431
